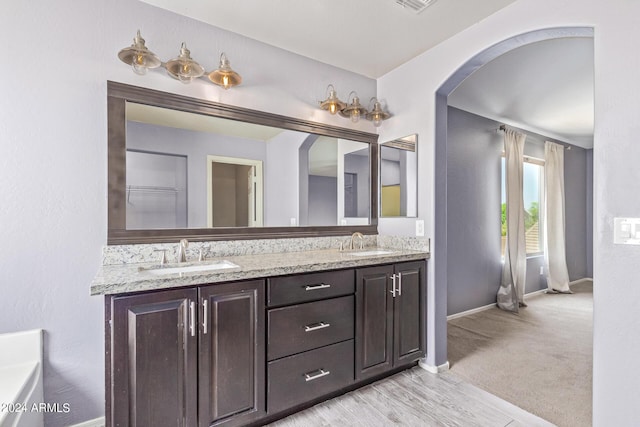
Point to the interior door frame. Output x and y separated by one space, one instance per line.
258 186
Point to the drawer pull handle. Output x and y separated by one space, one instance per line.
393 286
316 326
316 287
192 318
320 373
205 314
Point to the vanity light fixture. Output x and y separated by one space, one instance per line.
354 110
182 68
224 76
138 56
377 114
332 103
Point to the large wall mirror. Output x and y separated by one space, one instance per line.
399 177
185 167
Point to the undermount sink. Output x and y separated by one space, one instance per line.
370 253
210 266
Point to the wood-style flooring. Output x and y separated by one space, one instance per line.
415 397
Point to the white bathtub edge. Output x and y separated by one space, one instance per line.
22 386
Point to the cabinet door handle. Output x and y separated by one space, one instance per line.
399 284
204 316
192 318
316 287
320 373
316 326
393 284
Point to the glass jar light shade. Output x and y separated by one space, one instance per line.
332 104
354 110
225 76
138 56
377 114
183 67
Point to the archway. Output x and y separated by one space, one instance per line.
437 333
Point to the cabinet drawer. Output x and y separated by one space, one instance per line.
310 287
306 376
303 327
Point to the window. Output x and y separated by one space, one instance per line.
533 183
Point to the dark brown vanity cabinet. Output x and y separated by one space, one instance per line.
154 360
231 373
310 337
187 357
390 317
237 353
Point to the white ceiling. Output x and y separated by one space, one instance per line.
545 88
368 37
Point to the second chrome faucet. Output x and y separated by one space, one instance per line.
358 235
182 250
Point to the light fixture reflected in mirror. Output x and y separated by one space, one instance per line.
377 114
182 68
332 103
138 56
354 110
224 76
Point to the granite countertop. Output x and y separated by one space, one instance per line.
125 278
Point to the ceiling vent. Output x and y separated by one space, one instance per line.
415 5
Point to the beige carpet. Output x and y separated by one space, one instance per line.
539 360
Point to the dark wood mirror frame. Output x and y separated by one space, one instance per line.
117 96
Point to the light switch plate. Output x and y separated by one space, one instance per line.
626 231
419 227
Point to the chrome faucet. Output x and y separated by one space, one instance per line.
359 236
182 250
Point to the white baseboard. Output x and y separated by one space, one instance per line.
472 311
434 369
536 293
585 279
98 422
488 306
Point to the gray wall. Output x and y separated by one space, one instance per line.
474 148
578 230
589 209
323 200
359 165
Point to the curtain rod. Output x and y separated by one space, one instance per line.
503 128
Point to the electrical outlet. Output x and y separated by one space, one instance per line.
541 270
293 221
419 227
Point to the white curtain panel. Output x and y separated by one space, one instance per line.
511 292
555 258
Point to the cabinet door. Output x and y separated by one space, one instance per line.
232 354
374 321
409 313
154 359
